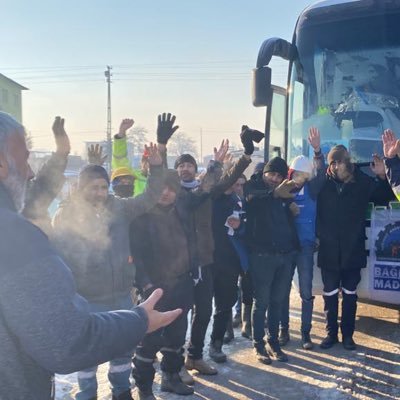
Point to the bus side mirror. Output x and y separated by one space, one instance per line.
261 90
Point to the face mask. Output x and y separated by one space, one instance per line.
123 191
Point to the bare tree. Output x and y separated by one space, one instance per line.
138 137
181 143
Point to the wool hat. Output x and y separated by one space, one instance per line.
338 153
122 171
172 180
185 158
277 164
91 172
302 164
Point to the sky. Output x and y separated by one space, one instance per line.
190 58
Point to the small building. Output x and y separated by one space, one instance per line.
11 97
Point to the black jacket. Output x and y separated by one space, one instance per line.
270 224
341 213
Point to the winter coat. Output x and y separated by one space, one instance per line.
96 246
341 212
45 326
163 243
270 224
203 215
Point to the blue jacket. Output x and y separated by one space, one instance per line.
45 326
392 167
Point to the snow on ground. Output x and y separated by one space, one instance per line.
372 372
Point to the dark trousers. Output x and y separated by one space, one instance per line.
347 281
271 274
225 277
202 310
168 340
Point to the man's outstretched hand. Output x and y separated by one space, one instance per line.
391 146
156 318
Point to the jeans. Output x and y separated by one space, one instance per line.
305 268
202 310
271 275
119 369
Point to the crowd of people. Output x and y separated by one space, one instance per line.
184 243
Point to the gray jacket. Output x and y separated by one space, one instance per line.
45 326
96 247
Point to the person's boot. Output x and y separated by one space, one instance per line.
186 378
328 342
201 366
215 352
139 395
172 383
276 353
348 343
262 355
246 321
284 337
123 396
307 343
229 335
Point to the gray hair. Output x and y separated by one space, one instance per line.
8 127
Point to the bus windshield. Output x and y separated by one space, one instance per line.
346 82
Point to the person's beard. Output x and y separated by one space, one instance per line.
16 185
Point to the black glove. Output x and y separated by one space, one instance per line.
165 128
246 138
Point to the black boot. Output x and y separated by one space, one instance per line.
139 395
328 342
246 321
216 353
123 396
284 336
229 335
307 343
171 382
275 351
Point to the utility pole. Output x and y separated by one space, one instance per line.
201 145
107 74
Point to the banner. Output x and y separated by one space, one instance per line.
385 251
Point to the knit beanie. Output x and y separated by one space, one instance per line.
172 180
185 158
91 172
278 165
338 153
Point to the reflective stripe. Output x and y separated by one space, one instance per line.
147 360
349 291
170 349
115 369
331 293
86 374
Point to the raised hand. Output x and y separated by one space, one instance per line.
377 166
155 318
391 146
124 126
95 155
220 154
247 140
63 145
165 127
314 138
285 189
154 157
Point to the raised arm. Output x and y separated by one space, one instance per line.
120 147
391 150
